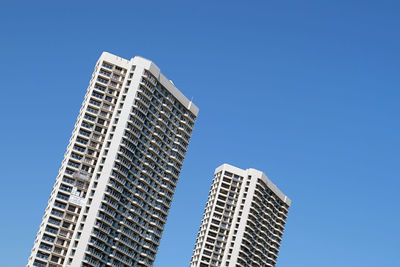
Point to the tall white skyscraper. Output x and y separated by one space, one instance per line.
111 197
243 221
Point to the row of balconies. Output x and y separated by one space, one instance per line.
268 204
148 85
266 191
150 78
259 248
265 209
168 106
92 262
262 222
159 143
129 196
249 251
266 216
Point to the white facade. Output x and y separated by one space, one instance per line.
111 198
243 221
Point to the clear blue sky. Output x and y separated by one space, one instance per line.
307 91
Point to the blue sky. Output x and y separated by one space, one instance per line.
307 91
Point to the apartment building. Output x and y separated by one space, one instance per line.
110 201
243 221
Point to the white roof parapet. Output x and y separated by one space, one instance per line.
230 168
114 59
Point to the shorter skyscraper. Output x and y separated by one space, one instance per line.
243 221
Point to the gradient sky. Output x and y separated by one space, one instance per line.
306 91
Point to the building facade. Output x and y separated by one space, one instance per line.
111 198
243 221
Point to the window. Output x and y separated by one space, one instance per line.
73 164
76 156
39 264
68 171
105 73
102 80
84 132
54 221
71 208
228 174
101 88
98 129
65 188
48 238
42 255
52 230
59 204
108 66
89 117
87 125
100 96
92 110
57 213
81 140
103 114
79 148
227 180
63 196
55 258
93 144
94 102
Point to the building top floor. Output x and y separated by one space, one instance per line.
258 174
156 72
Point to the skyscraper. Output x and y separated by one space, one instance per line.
111 197
243 221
